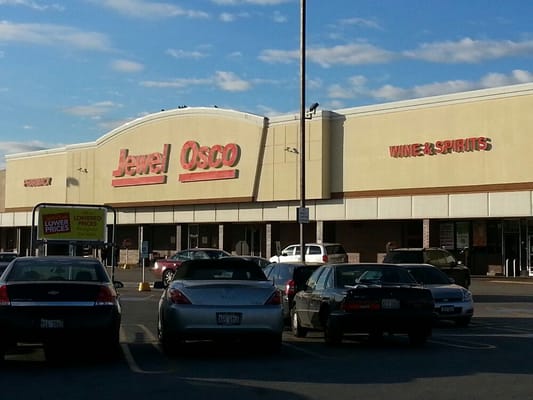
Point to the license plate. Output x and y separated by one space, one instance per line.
390 304
229 318
447 309
52 323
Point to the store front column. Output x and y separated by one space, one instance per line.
425 233
221 236
319 231
177 240
268 240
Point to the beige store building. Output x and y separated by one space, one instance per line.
453 171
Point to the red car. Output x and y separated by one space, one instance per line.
164 268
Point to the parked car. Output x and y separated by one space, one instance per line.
452 302
370 299
314 253
60 302
5 259
164 268
289 278
227 298
440 258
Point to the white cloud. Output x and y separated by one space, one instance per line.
231 82
178 53
358 87
227 81
94 110
53 35
38 6
361 22
470 51
256 2
149 9
127 66
350 54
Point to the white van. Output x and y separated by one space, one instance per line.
314 253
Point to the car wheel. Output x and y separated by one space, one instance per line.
169 344
168 275
332 332
111 345
296 328
463 321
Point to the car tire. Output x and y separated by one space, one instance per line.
170 345
297 329
168 275
332 332
462 322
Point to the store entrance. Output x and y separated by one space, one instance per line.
512 260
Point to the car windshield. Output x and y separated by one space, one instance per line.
386 275
429 276
224 268
406 257
44 269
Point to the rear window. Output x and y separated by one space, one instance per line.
57 270
335 249
221 269
5 258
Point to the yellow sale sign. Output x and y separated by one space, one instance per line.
72 223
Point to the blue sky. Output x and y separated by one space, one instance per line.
71 71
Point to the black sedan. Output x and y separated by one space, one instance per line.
370 299
58 301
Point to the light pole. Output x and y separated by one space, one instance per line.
302 211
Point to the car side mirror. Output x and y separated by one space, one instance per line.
118 284
451 280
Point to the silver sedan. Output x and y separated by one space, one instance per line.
224 299
452 302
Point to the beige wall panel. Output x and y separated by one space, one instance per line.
184 214
430 206
510 204
331 211
275 212
364 208
126 216
23 219
204 213
367 137
45 164
227 212
395 207
82 187
9 218
250 213
472 204
164 215
145 216
280 172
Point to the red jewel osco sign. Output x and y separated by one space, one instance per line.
209 159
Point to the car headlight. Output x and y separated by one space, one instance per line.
467 295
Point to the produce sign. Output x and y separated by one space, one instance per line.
72 223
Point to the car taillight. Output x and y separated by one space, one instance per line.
325 258
275 299
177 297
4 298
290 288
361 304
106 297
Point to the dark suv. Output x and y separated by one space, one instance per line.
440 258
289 278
